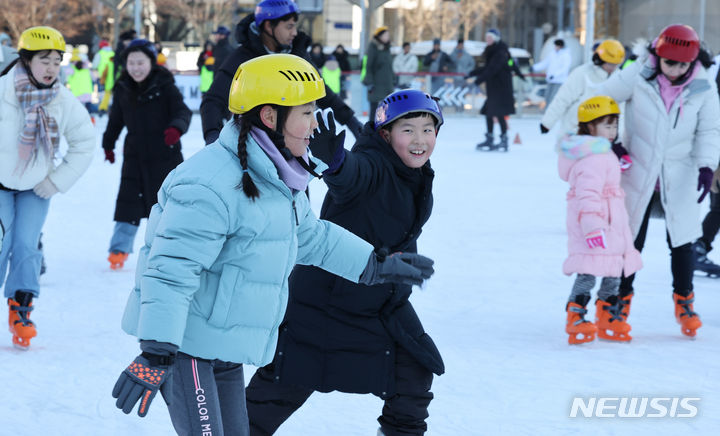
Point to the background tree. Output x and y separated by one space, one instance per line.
421 18
177 18
70 17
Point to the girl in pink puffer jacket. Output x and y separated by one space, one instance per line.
599 239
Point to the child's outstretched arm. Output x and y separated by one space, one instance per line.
348 174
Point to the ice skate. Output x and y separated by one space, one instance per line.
579 329
702 263
610 321
19 323
117 259
488 144
624 303
689 320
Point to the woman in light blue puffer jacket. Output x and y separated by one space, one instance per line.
230 224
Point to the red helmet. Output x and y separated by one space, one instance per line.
678 42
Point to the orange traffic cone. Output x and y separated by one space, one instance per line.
517 139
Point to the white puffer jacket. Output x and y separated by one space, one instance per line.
671 146
581 84
73 123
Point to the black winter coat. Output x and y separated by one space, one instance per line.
146 110
379 75
339 335
214 106
497 75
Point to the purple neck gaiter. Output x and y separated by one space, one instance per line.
290 172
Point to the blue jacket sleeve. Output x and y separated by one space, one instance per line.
330 247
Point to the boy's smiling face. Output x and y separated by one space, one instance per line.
413 139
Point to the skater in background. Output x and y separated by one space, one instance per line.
271 29
369 338
206 65
405 62
557 67
710 227
437 61
711 223
379 77
672 120
580 85
500 102
36 111
7 51
104 66
151 107
80 82
229 226
599 240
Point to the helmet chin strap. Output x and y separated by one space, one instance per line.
281 48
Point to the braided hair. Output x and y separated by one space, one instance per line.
244 123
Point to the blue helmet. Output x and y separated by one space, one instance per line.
273 9
401 103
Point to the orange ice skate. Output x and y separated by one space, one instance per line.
579 329
689 320
19 323
610 320
117 259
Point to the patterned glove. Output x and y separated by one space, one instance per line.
45 189
705 179
403 268
596 239
141 380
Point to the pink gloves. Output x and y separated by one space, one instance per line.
595 239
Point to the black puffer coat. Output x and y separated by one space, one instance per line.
497 75
214 106
339 335
146 110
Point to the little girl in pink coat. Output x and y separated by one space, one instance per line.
600 243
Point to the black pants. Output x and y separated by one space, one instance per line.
491 124
682 260
269 403
711 223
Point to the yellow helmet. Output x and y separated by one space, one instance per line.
75 55
210 60
611 51
41 38
596 107
282 79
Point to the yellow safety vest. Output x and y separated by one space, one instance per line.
206 78
332 78
80 82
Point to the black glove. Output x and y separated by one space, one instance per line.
143 377
402 268
355 126
325 144
543 129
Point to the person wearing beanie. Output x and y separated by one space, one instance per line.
151 107
379 77
222 47
437 61
496 73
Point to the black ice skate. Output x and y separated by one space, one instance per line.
702 263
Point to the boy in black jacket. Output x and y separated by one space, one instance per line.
338 335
